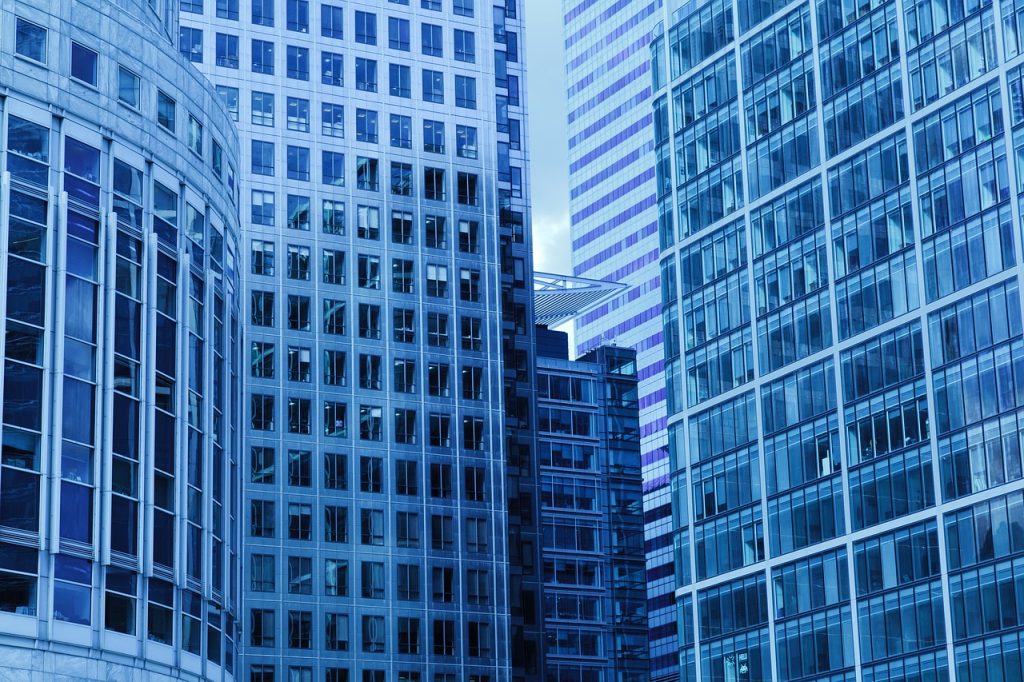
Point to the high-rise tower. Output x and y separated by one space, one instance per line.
614 214
843 336
120 308
388 445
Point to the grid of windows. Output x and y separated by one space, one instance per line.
880 288
345 277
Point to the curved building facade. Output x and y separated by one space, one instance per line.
118 224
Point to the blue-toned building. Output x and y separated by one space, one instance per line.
595 617
614 228
843 337
120 307
390 480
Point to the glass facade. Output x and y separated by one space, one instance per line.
614 221
387 430
119 529
843 336
595 623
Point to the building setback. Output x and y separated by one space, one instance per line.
389 465
119 533
595 617
614 228
843 345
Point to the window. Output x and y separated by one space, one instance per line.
366 74
471 335
469 236
366 28
334 368
368 222
30 40
433 40
261 464
84 62
298 163
300 468
403 325
261 519
333 217
398 34
263 12
440 430
298 15
437 280
433 86
298 364
405 427
399 80
433 136
372 533
298 212
465 92
335 524
369 272
332 68
407 478
408 635
261 627
129 87
366 126
263 208
401 179
334 317
300 575
469 285
262 157
401 131
165 111
300 630
331 21
336 635
465 46
300 521
230 98
465 142
469 194
436 232
227 50
373 637
444 633
227 9
333 266
262 412
298 62
335 471
333 167
407 529
463 8
371 423
263 56
298 114
434 186
261 573
262 108
408 582
437 330
369 321
190 44
369 372
298 313
336 577
332 119
367 174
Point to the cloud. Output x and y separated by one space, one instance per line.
552 244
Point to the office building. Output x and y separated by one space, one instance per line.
843 336
389 471
614 228
118 515
589 449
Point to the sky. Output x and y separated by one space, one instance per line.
549 160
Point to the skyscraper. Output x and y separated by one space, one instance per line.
843 336
614 226
589 448
387 276
118 517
